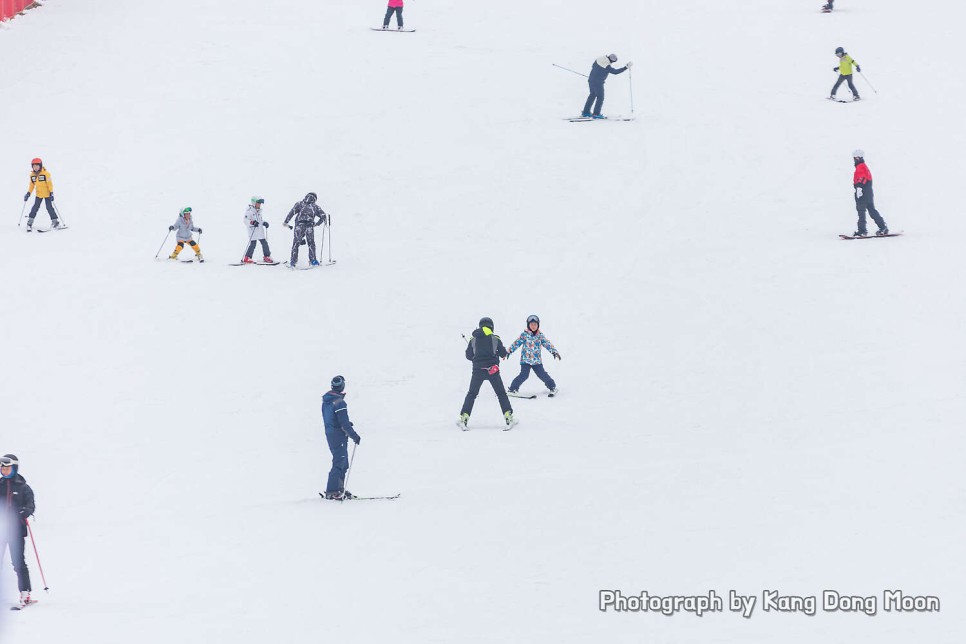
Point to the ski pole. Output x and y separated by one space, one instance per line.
59 216
162 244
328 224
37 554
348 469
21 214
867 81
630 77
322 252
569 70
251 236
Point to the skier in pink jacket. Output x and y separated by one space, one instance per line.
395 6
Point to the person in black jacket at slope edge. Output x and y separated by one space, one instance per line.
16 504
599 72
485 350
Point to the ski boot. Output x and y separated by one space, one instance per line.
173 256
385 26
585 115
56 224
24 598
30 225
553 392
512 392
510 420
399 28
200 258
268 260
462 422
599 116
860 233
247 260
882 231
314 262
346 494
333 496
856 98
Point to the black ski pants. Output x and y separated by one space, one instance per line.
839 82
17 548
868 204
303 231
596 94
50 208
389 12
339 446
251 248
496 381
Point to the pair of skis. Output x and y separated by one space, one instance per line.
550 394
363 498
309 267
586 119
29 603
46 230
398 30
256 264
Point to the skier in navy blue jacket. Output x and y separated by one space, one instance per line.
16 505
338 429
599 72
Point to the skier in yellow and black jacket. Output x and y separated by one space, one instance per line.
845 73
41 182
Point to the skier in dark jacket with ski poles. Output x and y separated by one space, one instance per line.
485 350
307 216
338 429
599 72
16 505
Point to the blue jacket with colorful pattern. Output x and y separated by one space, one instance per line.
531 343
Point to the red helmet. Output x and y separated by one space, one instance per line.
37 162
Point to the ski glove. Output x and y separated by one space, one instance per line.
265 223
170 228
557 356
199 230
26 196
835 69
51 196
289 226
357 439
629 64
253 224
858 68
858 192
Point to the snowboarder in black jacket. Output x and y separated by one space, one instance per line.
485 350
598 74
16 503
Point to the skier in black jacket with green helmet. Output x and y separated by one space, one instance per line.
485 350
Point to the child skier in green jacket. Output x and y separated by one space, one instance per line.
845 73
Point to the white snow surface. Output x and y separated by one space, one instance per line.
747 402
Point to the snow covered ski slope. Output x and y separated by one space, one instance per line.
746 403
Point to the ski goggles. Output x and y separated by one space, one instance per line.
6 461
259 201
533 318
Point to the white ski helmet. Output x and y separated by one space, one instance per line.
858 154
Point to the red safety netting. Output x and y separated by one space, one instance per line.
10 8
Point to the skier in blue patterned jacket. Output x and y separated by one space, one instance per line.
531 340
338 430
